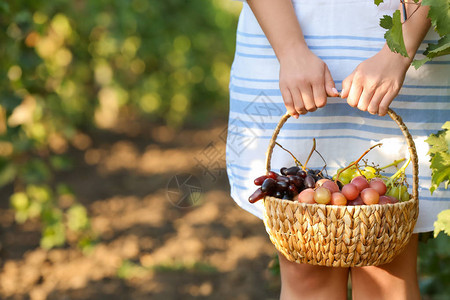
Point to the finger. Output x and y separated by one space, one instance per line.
330 86
319 95
298 101
364 101
354 94
308 99
375 102
287 98
385 102
346 84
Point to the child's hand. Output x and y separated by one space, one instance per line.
376 82
305 82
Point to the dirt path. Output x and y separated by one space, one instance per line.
148 248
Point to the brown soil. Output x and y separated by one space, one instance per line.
148 248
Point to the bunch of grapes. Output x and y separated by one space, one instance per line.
352 185
286 185
313 187
348 174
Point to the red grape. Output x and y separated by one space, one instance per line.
379 185
331 185
357 201
350 191
306 196
370 196
338 199
387 200
360 182
322 195
320 182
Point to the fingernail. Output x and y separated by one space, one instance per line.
342 92
335 91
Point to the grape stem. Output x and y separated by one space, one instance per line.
395 163
310 153
324 161
355 163
400 172
295 159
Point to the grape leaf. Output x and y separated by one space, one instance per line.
394 36
434 50
440 157
386 22
439 15
439 49
418 63
442 223
378 2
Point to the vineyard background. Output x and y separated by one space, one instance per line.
101 104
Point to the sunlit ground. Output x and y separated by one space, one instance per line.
147 247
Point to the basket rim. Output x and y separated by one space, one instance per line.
330 206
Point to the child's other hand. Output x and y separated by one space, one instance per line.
376 82
305 81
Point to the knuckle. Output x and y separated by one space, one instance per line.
372 111
299 108
311 108
352 103
321 102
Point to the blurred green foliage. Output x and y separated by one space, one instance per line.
70 66
434 267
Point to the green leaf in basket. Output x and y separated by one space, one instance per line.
440 157
442 223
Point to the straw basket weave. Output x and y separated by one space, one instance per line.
341 236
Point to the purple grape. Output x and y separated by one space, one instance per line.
283 178
302 174
282 185
269 185
260 180
297 181
257 195
292 170
310 182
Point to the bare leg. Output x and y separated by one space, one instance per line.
303 281
396 280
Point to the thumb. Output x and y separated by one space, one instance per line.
346 85
329 84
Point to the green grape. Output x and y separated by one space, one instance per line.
394 192
404 195
355 174
345 179
369 172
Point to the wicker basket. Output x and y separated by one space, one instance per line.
341 236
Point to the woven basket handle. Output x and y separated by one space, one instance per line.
394 117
